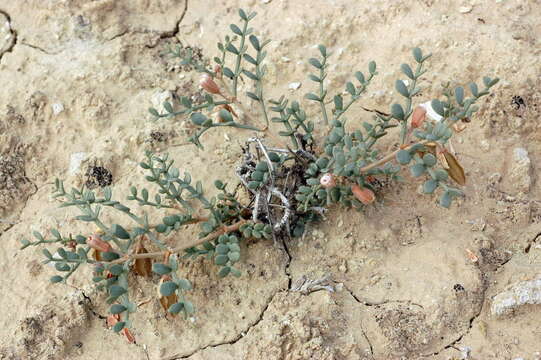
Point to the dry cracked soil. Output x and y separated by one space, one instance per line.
406 279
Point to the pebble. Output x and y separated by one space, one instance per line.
75 162
465 9
57 108
520 170
294 85
519 294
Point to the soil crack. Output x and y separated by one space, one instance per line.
230 342
174 32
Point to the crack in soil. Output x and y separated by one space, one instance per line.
230 342
172 33
384 302
41 50
361 325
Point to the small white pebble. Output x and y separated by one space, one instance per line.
57 108
465 9
294 85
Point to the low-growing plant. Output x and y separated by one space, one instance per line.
290 183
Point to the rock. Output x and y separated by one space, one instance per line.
7 38
465 9
75 162
57 108
159 97
294 85
521 293
519 171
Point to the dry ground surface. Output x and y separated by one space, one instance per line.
78 76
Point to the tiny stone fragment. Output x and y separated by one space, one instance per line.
520 170
294 85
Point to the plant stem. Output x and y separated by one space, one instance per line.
388 157
224 230
239 58
321 92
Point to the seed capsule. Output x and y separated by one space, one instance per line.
208 84
364 195
418 117
96 243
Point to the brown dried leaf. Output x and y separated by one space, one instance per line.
456 172
142 267
96 255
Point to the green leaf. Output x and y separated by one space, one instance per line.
161 269
116 290
338 102
372 67
406 69
224 271
360 77
222 249
198 118
397 111
56 279
459 95
401 88
350 88
243 15
168 288
116 269
322 50
119 326
250 74
438 107
117 309
221 259
255 42
417 54
188 307
232 49
228 72
235 29
176 308
225 115
474 89
417 170
110 256
312 96
185 284
262 166
47 253
403 157
234 256
315 63
154 112
252 96
429 186
441 175
429 160
445 200
120 232
168 107
314 78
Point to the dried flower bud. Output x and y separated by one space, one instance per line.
364 195
96 243
418 117
208 84
218 71
328 181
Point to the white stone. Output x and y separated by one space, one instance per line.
75 162
521 293
57 108
159 97
519 171
294 85
465 9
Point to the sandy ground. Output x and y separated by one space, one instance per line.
78 76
